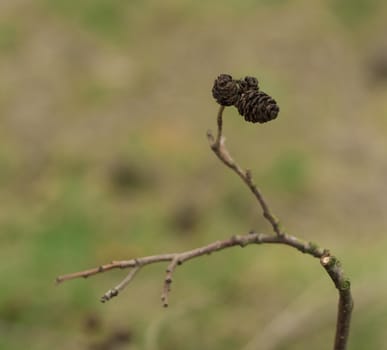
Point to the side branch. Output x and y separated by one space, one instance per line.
177 259
329 262
218 147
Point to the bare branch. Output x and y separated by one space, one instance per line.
177 259
330 263
116 265
114 291
344 312
218 147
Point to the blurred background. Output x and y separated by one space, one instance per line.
104 107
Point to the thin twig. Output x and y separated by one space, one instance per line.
218 146
111 293
168 279
123 264
219 121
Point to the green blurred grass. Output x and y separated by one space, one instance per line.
8 36
105 18
355 13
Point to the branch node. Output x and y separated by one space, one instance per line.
234 239
211 138
249 175
313 248
243 243
346 285
326 252
258 237
325 260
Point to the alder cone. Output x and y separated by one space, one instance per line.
248 83
257 107
225 90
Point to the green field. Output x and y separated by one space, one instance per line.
104 109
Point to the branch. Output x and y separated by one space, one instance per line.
330 263
177 259
344 312
218 146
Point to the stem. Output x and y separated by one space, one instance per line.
330 263
218 147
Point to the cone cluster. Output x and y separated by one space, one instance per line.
244 94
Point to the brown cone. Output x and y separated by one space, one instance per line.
248 83
257 107
225 90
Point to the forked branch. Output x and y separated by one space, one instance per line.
329 262
177 259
